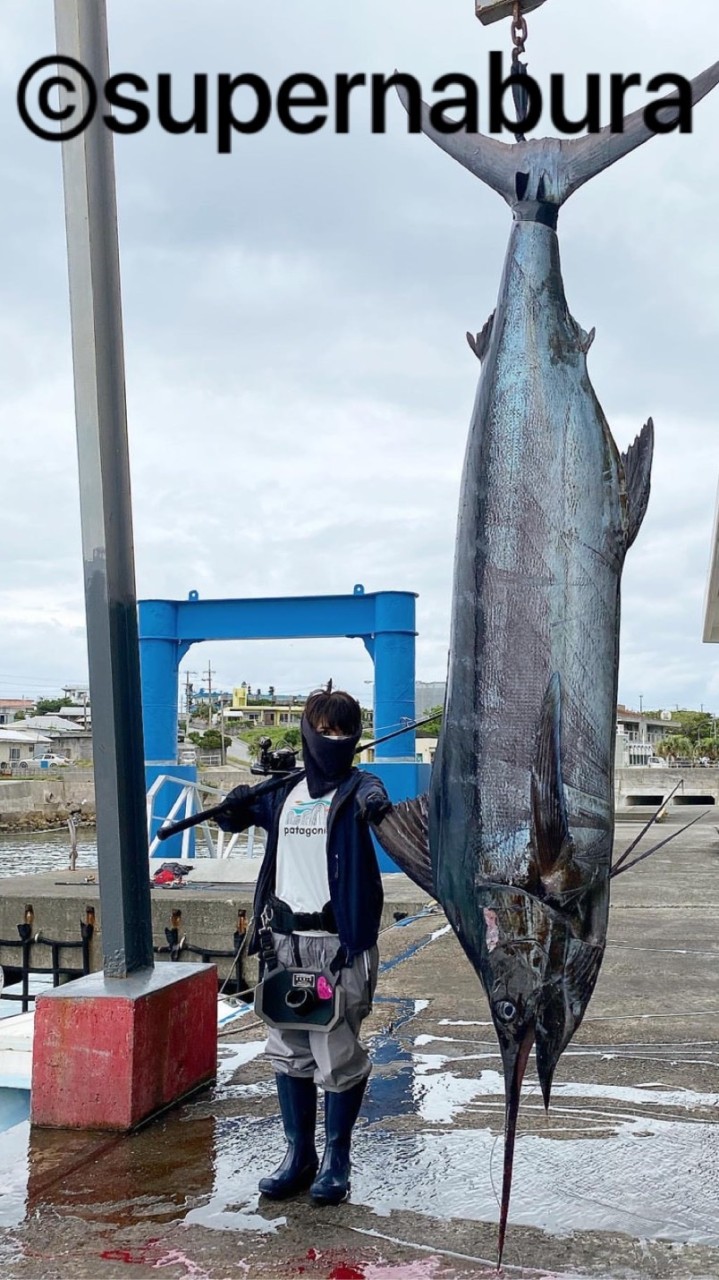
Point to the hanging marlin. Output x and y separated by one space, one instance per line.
515 837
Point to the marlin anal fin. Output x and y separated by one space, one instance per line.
480 342
638 469
404 833
550 823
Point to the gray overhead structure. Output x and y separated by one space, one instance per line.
105 502
711 603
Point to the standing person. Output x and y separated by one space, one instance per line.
320 890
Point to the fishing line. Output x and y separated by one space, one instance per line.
632 1017
468 1257
676 951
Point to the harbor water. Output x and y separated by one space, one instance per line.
27 852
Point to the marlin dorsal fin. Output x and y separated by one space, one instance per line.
550 823
638 469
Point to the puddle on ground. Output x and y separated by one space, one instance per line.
638 1160
13 1168
621 1177
625 1183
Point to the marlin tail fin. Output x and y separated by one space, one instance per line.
549 169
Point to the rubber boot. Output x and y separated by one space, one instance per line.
332 1184
298 1105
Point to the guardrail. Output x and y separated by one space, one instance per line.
26 944
189 801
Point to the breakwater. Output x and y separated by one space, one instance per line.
45 804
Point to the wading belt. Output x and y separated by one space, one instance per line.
285 920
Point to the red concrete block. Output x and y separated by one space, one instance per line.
109 1053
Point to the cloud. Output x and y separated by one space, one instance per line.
299 387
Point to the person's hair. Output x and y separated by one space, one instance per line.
336 710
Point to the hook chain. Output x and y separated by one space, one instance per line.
519 30
519 41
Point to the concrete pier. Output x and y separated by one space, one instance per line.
620 1180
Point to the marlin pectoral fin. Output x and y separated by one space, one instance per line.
638 469
549 807
404 833
480 342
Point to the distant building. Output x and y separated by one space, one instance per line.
428 694
79 715
18 744
270 711
66 738
11 707
638 736
78 693
638 727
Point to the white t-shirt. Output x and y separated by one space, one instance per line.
301 877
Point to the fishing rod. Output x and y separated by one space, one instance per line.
278 780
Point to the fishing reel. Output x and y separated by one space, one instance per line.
281 760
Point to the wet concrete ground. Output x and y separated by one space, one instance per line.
620 1181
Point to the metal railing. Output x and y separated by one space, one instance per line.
191 799
28 941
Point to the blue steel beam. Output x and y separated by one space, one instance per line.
384 620
295 617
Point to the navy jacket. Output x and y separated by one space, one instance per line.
354 879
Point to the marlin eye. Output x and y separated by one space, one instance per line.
506 1010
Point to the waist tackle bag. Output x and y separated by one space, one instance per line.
300 999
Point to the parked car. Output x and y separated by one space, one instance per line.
47 761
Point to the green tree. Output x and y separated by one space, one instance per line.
694 724
50 706
210 740
432 729
677 745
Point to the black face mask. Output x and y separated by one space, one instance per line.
327 761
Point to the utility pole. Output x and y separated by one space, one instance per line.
188 700
208 677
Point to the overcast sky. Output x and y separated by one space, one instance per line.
299 385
